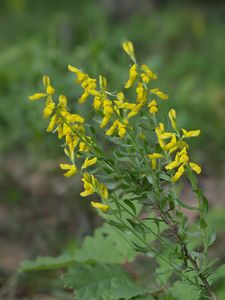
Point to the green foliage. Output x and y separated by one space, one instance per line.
188 43
184 291
47 263
101 281
106 246
135 175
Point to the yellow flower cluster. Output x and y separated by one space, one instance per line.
119 110
70 126
115 114
176 143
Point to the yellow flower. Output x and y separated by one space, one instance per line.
83 97
113 128
47 83
72 170
102 82
121 129
171 144
172 117
52 123
89 162
153 107
50 90
148 74
133 74
81 76
37 96
103 190
83 147
160 94
135 110
195 167
102 207
88 84
49 108
88 186
97 102
75 118
62 102
117 125
192 133
178 174
120 102
129 49
180 158
105 121
141 93
172 165
154 157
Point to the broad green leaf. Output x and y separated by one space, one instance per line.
182 290
101 282
106 246
47 263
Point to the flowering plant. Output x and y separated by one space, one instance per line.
136 174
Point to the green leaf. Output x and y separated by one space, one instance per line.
131 205
219 273
203 223
164 176
182 290
137 227
117 225
106 246
101 282
184 205
47 263
139 248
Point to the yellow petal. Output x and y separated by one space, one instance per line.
102 207
172 117
160 94
103 190
155 155
102 82
87 193
113 128
133 74
46 81
83 97
178 174
89 162
172 165
105 121
37 96
72 170
73 69
65 166
52 123
50 90
97 103
195 167
129 49
62 101
48 109
75 118
192 133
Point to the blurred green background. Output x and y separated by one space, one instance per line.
182 41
